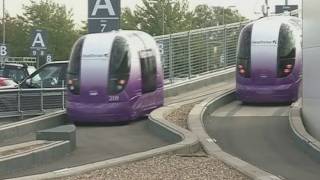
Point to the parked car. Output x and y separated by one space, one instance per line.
16 72
6 83
50 75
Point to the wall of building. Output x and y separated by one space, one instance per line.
311 66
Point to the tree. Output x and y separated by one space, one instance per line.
205 16
57 20
16 36
150 15
128 20
229 15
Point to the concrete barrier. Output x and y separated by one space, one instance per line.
49 152
60 133
27 126
300 134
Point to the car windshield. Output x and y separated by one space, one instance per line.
49 77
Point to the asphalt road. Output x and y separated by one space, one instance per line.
102 143
261 136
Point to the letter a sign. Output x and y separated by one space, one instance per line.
39 40
103 15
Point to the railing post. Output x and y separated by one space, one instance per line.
171 73
207 51
225 46
63 93
41 97
189 55
19 102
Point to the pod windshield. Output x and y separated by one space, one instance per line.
245 43
244 52
119 68
286 48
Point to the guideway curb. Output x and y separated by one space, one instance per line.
31 125
189 143
301 135
196 123
35 157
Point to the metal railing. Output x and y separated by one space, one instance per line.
189 54
32 61
33 101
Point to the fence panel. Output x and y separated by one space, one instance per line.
189 54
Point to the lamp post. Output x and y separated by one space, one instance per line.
3 22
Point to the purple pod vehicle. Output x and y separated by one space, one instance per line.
269 60
114 77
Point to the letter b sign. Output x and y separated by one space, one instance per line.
3 50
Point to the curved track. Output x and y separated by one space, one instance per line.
107 142
261 136
96 144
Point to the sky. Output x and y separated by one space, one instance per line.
247 8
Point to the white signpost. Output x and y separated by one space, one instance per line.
103 15
38 44
3 53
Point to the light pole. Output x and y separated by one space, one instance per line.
3 22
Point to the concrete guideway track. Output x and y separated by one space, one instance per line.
102 143
124 140
261 136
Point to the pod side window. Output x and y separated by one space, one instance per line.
244 51
75 67
148 71
119 69
286 50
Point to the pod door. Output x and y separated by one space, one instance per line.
148 71
244 52
73 74
286 51
119 68
264 51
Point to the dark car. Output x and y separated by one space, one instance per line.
50 75
16 72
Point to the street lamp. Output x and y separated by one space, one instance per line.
3 22
224 8
162 7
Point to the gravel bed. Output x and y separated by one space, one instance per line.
169 166
180 115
